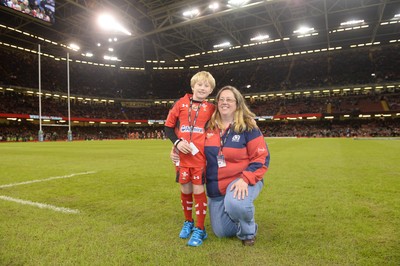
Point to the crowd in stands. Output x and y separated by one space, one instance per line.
350 128
365 66
22 132
352 104
372 102
19 103
374 65
334 104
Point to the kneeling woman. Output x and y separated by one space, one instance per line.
237 159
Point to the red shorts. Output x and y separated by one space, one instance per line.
196 175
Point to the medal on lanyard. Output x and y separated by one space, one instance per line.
195 150
220 157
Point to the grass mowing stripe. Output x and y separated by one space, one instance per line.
47 179
40 205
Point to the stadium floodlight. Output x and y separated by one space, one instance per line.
214 6
352 22
191 13
74 47
107 22
303 30
224 44
111 58
260 38
88 54
111 49
237 3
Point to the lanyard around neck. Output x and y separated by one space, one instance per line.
223 140
191 126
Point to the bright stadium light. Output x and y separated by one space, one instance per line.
74 47
352 22
260 38
191 13
111 58
303 30
108 22
214 6
88 54
224 44
237 3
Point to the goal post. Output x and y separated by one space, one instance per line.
40 133
69 134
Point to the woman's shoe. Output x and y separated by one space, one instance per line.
249 242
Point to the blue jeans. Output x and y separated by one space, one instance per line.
232 217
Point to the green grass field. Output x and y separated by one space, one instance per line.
327 202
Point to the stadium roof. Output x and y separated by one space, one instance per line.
162 35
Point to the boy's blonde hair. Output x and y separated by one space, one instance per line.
203 76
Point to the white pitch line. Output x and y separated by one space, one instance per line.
40 205
47 179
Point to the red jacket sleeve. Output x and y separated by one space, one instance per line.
173 115
258 159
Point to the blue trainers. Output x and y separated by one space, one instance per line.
186 229
197 237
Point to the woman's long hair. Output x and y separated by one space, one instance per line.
243 117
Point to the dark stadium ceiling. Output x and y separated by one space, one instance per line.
161 33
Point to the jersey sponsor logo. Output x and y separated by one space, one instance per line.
185 105
209 135
236 138
195 129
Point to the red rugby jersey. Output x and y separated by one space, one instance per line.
179 117
246 155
